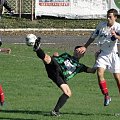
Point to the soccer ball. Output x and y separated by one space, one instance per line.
30 39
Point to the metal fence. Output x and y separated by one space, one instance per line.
23 6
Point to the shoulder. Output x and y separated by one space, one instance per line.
117 27
103 23
117 24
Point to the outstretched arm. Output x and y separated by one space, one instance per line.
55 54
91 70
82 50
5 50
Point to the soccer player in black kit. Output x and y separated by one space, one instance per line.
61 68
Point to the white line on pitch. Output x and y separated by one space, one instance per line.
42 43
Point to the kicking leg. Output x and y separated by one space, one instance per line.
40 53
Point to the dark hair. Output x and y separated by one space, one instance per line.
77 47
114 11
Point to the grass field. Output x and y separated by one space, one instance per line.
48 22
30 95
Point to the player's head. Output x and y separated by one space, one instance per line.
114 11
112 15
76 54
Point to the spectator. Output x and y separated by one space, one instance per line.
4 3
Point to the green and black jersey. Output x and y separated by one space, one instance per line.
69 66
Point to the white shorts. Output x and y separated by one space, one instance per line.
109 61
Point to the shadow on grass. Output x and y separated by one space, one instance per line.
44 113
1 118
47 113
91 114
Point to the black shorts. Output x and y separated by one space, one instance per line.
54 72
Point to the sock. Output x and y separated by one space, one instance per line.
1 94
40 53
103 87
61 101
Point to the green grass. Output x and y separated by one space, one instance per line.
47 22
30 95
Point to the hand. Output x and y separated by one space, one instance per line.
56 54
6 50
81 50
97 54
114 35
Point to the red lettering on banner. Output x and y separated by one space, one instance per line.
54 3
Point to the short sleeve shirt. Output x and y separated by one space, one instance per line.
69 66
106 41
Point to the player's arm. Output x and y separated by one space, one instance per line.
91 70
82 50
95 34
115 35
89 42
55 54
87 69
5 50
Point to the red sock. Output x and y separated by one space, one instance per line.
1 94
103 87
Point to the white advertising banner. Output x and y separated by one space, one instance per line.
88 8
75 9
58 8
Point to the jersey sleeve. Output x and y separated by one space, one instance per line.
118 30
97 31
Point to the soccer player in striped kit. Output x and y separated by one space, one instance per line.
61 68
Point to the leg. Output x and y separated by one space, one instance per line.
62 99
117 78
103 85
1 96
102 81
7 6
45 57
40 53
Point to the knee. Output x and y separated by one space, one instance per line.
99 73
69 94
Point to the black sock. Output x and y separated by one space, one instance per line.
61 101
106 94
40 53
